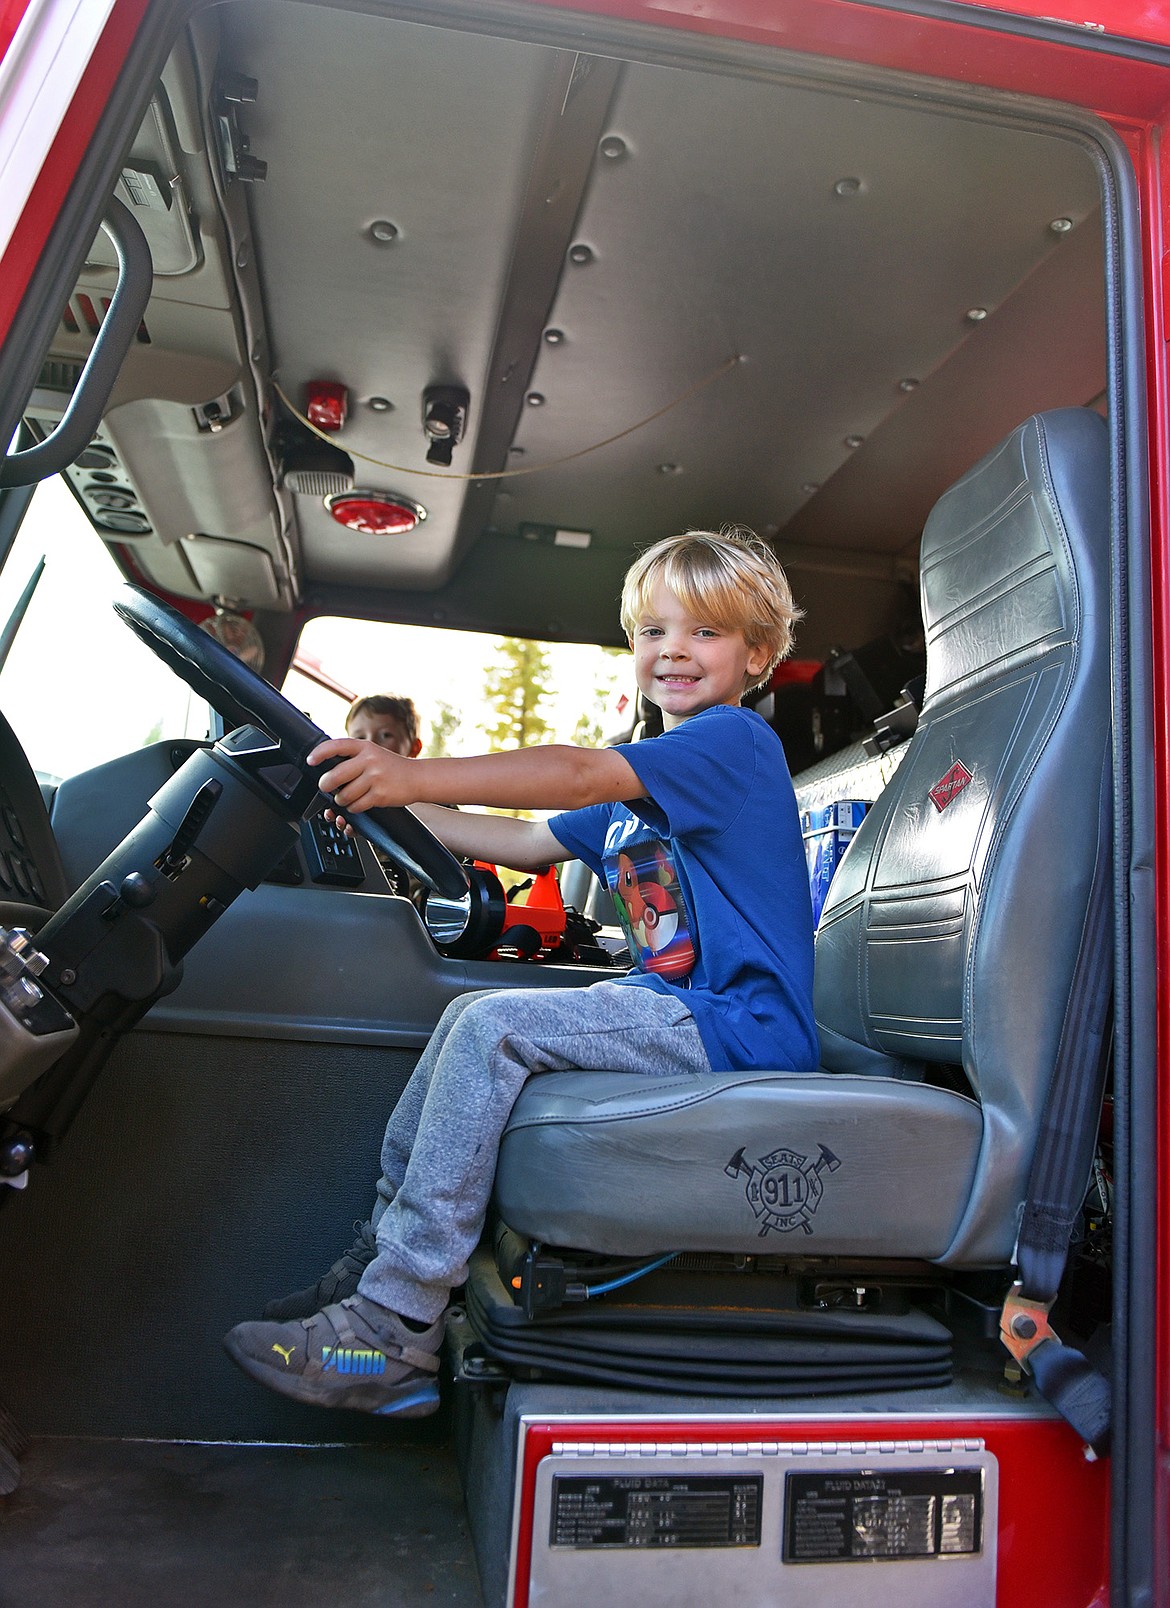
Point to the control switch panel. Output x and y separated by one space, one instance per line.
334 860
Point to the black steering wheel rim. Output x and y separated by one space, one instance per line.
245 699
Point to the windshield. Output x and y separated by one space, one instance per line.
473 693
77 687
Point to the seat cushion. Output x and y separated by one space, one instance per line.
759 1163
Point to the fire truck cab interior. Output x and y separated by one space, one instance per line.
437 316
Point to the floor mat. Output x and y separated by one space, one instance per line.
147 1524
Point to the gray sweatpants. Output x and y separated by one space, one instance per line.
439 1152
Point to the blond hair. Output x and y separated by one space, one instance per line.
730 578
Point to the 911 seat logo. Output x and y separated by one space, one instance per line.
784 1188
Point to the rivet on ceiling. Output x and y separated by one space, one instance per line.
909 385
554 337
383 232
534 399
670 468
580 254
852 441
1061 225
381 404
809 487
613 147
847 186
976 315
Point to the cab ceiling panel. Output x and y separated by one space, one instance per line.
365 121
839 244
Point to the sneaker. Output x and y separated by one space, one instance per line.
340 1281
356 1355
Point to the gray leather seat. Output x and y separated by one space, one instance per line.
944 955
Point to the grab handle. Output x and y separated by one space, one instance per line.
118 329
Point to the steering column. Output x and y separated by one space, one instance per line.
219 826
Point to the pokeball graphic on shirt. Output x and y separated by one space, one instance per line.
652 910
659 917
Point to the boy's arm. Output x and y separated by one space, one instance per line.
558 777
499 839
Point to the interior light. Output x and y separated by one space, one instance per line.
375 513
326 404
444 419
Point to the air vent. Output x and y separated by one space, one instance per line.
96 476
130 523
57 376
82 316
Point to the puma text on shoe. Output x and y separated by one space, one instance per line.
355 1354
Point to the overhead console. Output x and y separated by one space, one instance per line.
178 474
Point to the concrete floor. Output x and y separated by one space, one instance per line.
149 1524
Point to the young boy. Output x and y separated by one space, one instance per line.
391 723
697 834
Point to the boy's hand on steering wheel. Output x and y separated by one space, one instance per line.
365 776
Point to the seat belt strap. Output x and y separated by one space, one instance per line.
1062 1163
1064 1376
1081 1395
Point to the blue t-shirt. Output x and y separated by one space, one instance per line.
708 876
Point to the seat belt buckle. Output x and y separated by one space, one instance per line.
1023 1324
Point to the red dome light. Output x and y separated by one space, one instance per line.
375 513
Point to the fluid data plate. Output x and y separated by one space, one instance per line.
765 1525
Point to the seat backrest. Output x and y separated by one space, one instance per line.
952 926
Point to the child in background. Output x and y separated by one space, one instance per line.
390 722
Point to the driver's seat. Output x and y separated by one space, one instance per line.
945 953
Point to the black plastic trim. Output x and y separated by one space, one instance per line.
1138 1527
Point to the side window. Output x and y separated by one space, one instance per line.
76 686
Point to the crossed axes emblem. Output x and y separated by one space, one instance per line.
784 1188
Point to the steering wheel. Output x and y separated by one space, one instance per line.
245 699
